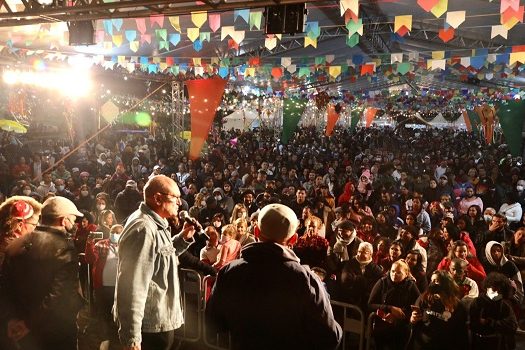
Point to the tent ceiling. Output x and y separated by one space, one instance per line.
378 18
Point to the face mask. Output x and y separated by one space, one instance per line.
203 203
217 223
331 171
434 288
487 218
84 193
61 187
493 294
519 188
101 207
218 198
114 237
26 192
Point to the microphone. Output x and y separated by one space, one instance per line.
183 215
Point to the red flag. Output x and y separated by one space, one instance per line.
205 96
331 120
370 115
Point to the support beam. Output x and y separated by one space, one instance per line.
81 10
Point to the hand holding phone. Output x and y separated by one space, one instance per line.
416 314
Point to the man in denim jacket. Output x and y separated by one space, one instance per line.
147 297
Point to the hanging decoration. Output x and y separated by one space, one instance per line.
331 118
204 97
511 114
292 111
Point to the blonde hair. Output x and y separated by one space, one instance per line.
404 266
115 228
313 219
229 230
238 207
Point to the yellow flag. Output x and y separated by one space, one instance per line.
199 18
134 46
440 8
117 40
438 55
309 41
334 71
193 34
175 23
400 21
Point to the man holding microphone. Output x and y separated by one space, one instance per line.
147 296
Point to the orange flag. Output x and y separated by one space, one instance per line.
331 120
205 96
370 114
467 121
487 114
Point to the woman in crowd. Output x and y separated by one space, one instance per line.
436 212
492 319
384 228
366 230
496 261
391 299
229 247
408 237
415 262
476 225
460 250
382 249
243 236
19 216
451 233
84 200
395 252
106 221
239 212
103 257
439 320
311 248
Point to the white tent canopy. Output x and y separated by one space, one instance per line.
241 119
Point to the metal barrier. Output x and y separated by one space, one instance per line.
354 325
192 305
369 327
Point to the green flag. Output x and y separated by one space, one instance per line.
511 114
354 120
475 121
292 112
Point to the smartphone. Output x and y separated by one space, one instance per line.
96 235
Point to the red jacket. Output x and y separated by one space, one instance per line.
96 255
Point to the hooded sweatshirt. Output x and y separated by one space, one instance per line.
506 267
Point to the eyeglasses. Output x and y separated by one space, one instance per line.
172 197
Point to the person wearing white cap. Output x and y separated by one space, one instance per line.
40 285
267 299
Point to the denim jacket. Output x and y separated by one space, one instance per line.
147 293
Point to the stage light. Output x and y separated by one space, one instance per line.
71 83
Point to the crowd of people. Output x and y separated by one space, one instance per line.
423 227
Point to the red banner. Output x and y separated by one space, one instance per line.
205 96
370 115
331 119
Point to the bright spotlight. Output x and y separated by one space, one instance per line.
71 83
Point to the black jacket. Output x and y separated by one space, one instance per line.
500 320
357 285
267 300
40 282
126 203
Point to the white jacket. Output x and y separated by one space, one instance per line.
513 212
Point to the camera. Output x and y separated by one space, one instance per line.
97 235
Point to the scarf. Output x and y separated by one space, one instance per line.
341 246
364 264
